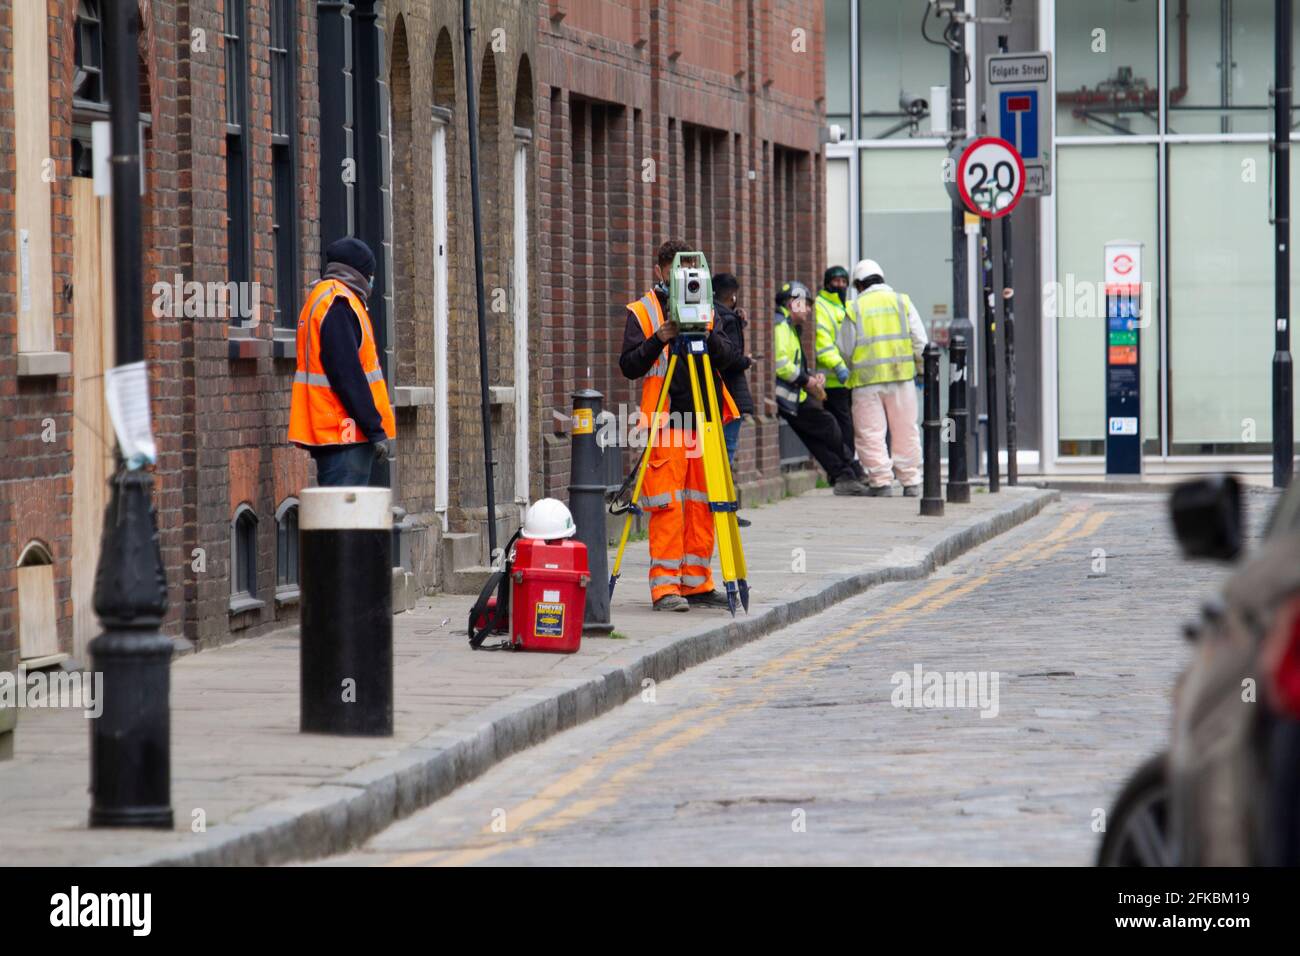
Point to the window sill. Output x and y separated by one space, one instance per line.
44 364
243 347
286 596
501 395
284 344
242 603
414 396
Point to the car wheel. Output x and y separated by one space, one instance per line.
1137 827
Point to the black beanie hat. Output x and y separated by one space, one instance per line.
352 252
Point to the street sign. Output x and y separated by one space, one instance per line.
1123 286
1020 86
988 176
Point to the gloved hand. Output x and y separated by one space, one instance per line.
842 373
385 449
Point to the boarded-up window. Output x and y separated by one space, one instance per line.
38 622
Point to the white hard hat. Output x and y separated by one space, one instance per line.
548 519
865 268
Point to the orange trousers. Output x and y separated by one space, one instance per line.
681 524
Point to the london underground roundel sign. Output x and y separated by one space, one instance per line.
990 176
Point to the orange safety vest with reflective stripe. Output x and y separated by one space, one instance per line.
316 414
651 316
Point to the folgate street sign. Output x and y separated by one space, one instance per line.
987 176
1020 91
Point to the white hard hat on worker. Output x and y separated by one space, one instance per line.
866 268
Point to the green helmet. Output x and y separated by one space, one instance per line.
834 272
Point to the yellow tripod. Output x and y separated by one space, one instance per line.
718 482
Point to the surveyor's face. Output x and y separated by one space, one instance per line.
839 285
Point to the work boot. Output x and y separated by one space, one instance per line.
743 522
881 491
709 599
846 486
912 491
672 602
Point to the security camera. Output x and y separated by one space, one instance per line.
912 105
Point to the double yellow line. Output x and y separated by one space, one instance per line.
555 806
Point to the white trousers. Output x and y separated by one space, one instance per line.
890 406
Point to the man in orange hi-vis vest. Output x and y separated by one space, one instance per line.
340 410
673 491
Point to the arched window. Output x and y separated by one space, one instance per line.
286 552
243 560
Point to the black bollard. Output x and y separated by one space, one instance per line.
931 495
130 743
958 478
587 502
346 611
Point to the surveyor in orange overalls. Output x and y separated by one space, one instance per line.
673 492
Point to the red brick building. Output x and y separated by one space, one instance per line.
271 128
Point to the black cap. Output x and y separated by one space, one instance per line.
791 290
352 252
724 282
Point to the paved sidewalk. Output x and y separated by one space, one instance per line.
269 794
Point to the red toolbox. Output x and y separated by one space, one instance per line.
548 597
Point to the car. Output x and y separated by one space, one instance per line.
1226 792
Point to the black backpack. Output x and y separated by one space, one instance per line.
496 620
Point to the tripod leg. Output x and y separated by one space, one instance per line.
641 470
716 481
731 522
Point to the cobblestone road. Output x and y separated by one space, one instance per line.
795 749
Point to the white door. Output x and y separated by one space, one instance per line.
441 413
520 260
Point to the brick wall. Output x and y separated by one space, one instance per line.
696 119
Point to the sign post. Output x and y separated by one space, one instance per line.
1123 359
1020 86
988 178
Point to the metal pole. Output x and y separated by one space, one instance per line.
587 503
471 103
130 743
1283 427
990 351
961 321
931 492
958 482
1009 332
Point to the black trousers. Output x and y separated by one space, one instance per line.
818 429
839 402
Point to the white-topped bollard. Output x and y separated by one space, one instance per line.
346 611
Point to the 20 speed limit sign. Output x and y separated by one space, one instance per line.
988 176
